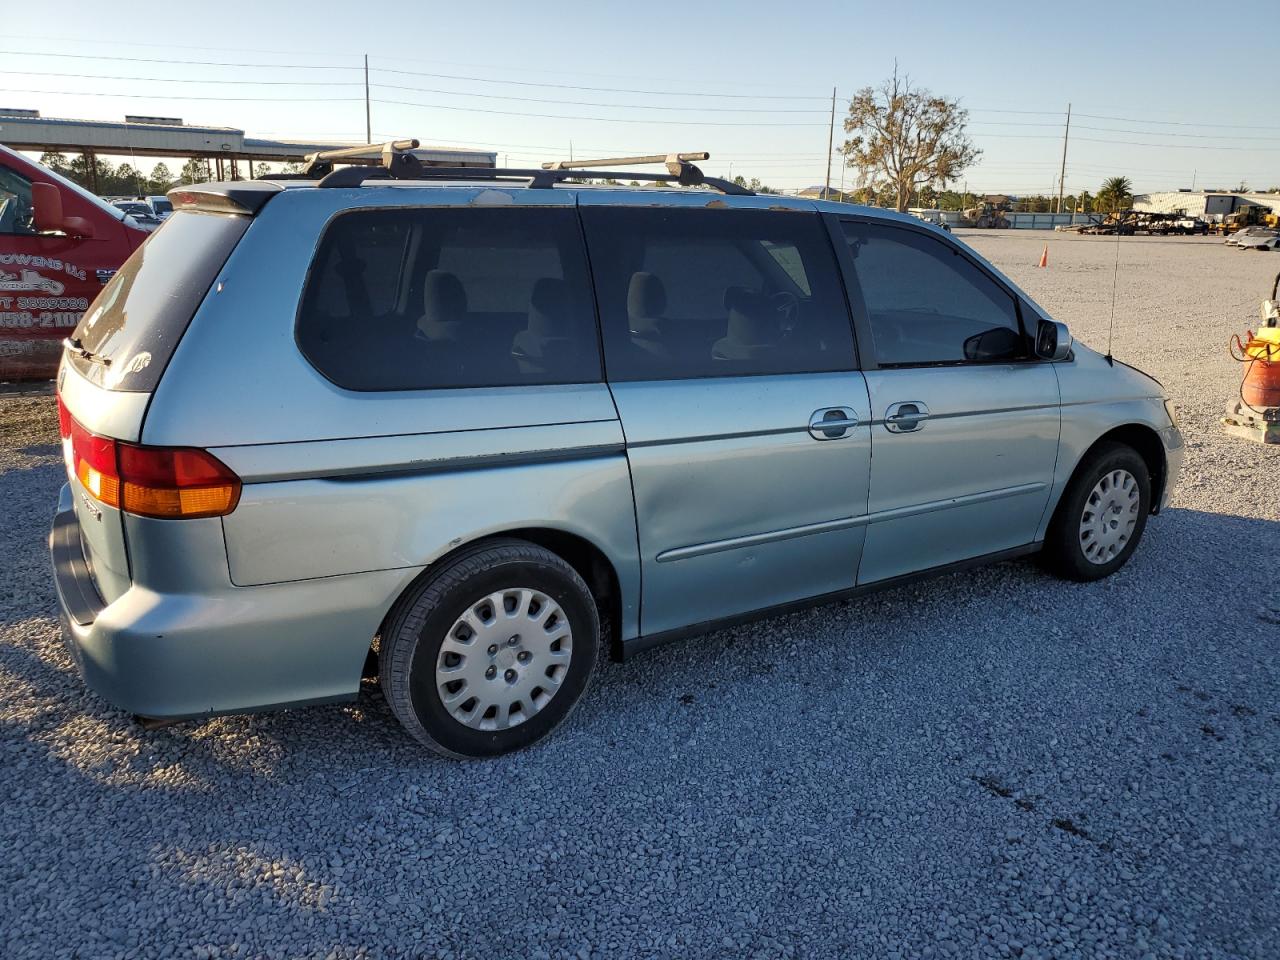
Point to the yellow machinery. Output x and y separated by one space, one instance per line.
987 214
1255 415
1250 216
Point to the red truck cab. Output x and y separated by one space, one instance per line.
58 245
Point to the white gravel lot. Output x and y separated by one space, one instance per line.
991 764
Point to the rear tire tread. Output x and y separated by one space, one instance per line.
400 640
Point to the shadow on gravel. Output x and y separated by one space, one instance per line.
42 450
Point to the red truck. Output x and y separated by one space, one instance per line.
58 245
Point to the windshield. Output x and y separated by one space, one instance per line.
161 206
128 334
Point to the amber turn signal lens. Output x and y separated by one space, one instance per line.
166 482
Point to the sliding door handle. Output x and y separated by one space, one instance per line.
831 423
906 417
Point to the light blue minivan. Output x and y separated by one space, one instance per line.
462 427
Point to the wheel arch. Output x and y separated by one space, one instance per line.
587 559
1146 442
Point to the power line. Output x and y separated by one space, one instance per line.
554 116
44 54
1179 123
1167 146
156 96
280 83
570 86
592 103
1161 133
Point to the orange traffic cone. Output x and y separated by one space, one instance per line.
1044 257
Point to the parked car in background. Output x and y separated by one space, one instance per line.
162 207
140 211
1258 241
1255 231
932 216
304 422
58 245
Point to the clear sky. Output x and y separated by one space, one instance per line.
1161 91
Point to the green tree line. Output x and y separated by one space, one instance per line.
122 180
129 180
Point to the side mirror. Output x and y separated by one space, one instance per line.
46 204
46 207
1053 340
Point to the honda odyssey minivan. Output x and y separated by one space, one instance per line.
489 422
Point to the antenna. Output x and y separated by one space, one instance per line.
1115 278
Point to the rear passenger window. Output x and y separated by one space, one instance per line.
415 299
927 303
713 293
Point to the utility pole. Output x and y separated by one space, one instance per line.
368 121
1062 175
831 136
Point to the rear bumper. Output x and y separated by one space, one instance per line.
231 650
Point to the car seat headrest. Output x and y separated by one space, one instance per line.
646 302
754 325
444 304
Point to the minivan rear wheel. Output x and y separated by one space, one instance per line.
1102 515
490 652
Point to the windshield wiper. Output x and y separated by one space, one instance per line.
76 346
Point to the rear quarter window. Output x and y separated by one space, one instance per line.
129 332
440 297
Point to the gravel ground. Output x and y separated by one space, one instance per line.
991 764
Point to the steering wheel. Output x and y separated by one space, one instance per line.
788 307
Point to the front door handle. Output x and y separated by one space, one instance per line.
831 423
906 417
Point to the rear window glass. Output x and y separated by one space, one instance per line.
130 330
416 299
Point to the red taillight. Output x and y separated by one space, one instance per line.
64 419
176 482
171 482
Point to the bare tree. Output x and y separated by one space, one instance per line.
907 137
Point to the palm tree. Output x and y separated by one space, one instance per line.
1115 193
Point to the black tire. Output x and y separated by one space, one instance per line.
1064 552
419 626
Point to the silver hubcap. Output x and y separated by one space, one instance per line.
1110 514
504 659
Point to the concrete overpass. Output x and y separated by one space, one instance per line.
226 147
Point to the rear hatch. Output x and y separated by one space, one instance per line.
112 364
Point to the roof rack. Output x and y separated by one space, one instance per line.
321 162
394 160
675 162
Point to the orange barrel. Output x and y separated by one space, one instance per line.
1261 387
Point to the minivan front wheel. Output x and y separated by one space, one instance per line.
492 651
1102 514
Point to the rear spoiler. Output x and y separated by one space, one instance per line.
245 197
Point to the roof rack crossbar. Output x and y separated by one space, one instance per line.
674 162
322 161
405 166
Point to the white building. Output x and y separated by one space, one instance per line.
1207 204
